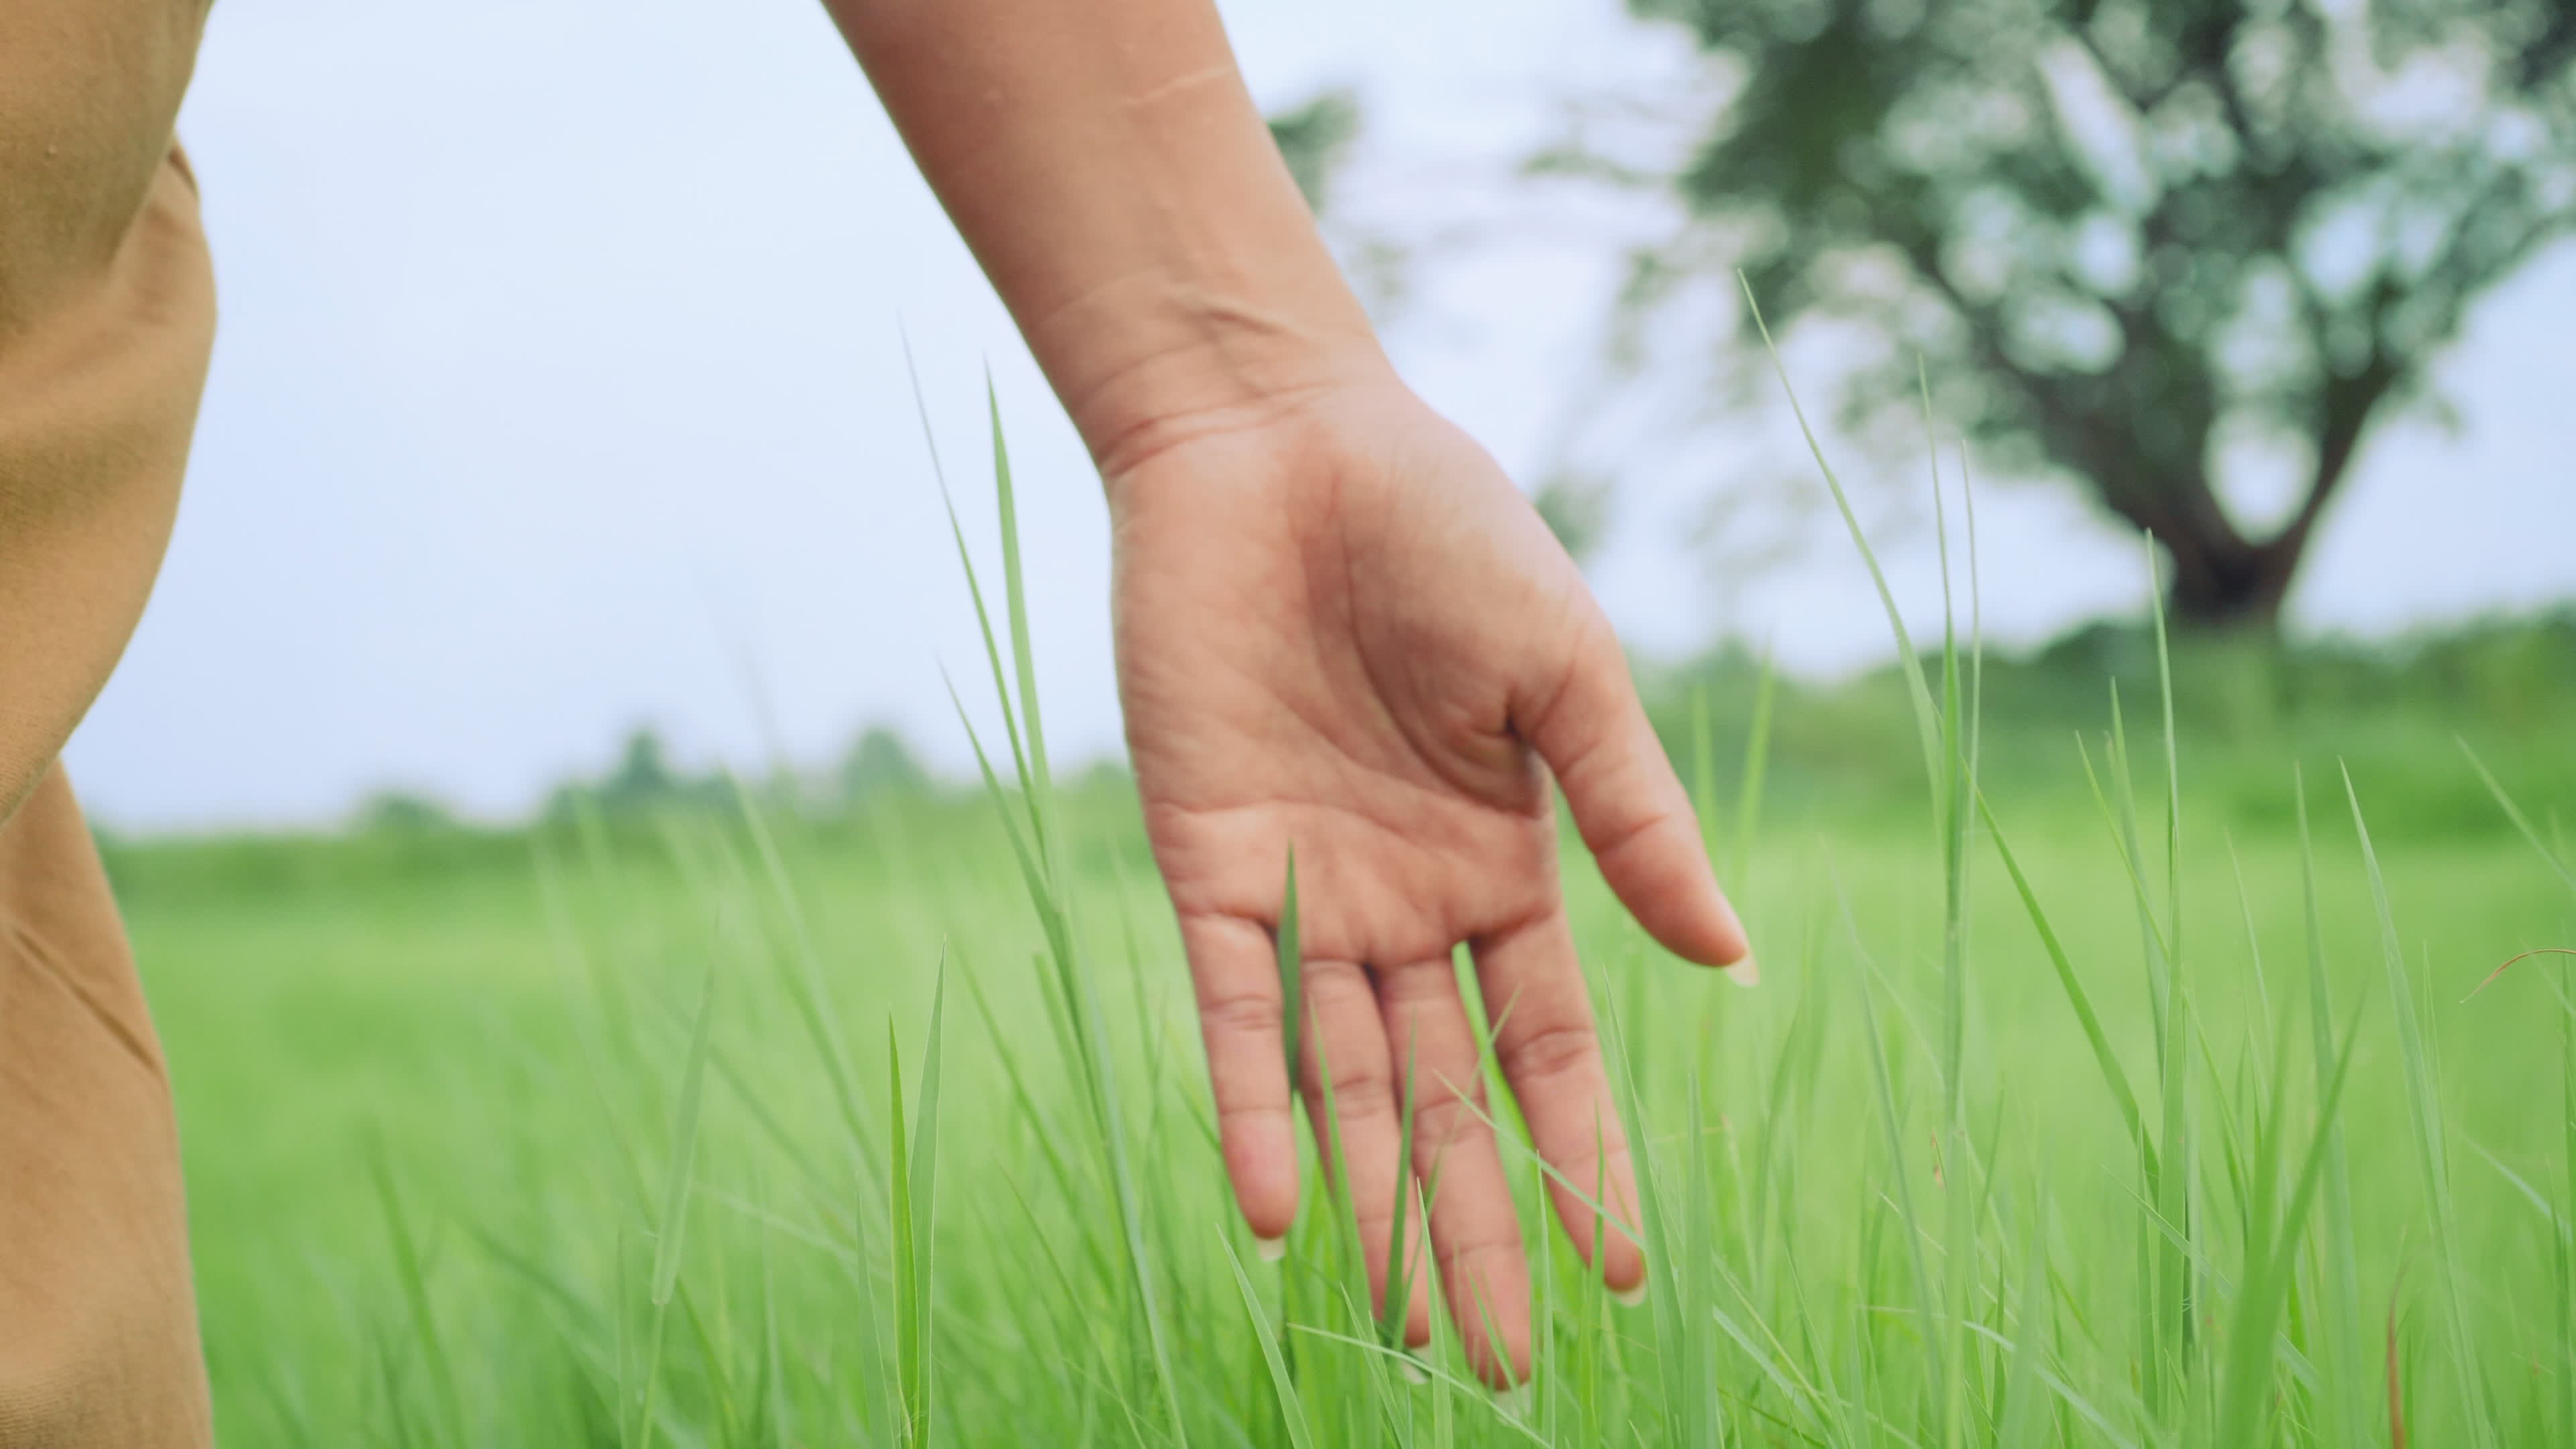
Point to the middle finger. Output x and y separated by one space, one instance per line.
1358 1135
1474 1228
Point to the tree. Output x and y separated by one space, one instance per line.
402 812
643 777
1315 138
2133 241
642 784
880 763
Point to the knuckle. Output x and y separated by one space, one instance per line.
1408 988
1359 1090
1374 1216
1449 1118
1335 989
1590 672
1465 1250
1233 1116
1628 828
1239 1013
1550 1055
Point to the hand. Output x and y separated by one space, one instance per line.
1341 628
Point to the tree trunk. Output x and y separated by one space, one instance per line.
2223 580
2220 580
2235 588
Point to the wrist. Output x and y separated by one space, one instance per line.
1147 362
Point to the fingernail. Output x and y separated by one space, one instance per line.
1270 1249
1630 1297
1413 1371
1514 1402
1746 973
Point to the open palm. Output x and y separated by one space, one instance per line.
1341 629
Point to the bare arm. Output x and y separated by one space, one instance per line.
1113 176
1339 628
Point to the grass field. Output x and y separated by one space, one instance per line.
756 1127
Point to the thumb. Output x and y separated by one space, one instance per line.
1630 807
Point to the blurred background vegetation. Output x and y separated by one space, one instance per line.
2177 257
2248 706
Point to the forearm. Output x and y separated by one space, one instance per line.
1111 173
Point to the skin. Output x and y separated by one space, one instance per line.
1339 627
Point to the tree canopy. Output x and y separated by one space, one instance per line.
2124 236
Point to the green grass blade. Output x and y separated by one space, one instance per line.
1910 664
1703 760
808 986
901 1245
1757 762
2173 767
1952 805
2521 822
1037 856
2424 1114
673 1232
2113 1075
668 1241
923 1189
1292 1410
1899 1178
1132 1227
1292 975
2250 1347
415 1290
966 559
2348 1369
1398 1301
2563 1256
1039 781
2022 1422
1024 1094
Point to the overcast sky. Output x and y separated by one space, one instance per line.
560 388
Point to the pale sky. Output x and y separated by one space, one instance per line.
560 388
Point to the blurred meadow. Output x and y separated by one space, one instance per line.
2137 1062
867 1109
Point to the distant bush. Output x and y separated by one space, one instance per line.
2244 707
642 784
880 763
401 812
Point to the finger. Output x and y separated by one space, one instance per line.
1631 808
1357 1133
1475 1231
1550 1053
1236 977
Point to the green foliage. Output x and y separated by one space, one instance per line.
1315 138
1888 1198
401 812
880 765
525 1066
640 786
2245 705
2129 236
1576 508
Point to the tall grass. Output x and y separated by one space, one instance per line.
2018 1144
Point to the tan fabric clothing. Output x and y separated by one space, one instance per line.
98 1323
106 317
